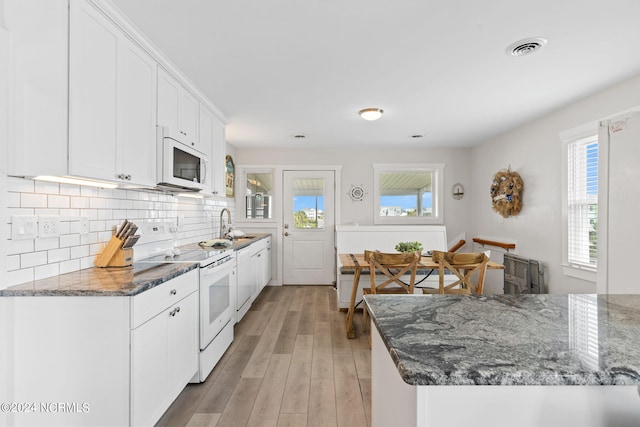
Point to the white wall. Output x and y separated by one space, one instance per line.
534 151
357 169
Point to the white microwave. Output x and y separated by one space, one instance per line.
180 167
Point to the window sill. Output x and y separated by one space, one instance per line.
586 274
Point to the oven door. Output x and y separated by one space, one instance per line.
216 283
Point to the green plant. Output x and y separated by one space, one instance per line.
409 247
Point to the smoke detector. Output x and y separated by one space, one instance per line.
526 46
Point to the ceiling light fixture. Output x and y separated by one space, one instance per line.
371 114
526 46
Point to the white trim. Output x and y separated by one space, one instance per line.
437 189
4 121
585 274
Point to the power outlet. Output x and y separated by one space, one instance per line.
84 225
48 226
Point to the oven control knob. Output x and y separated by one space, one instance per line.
168 254
176 251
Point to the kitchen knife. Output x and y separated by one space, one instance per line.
121 229
132 230
131 240
125 230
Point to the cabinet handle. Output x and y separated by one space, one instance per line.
173 312
173 292
128 177
121 176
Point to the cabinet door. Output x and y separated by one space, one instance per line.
217 161
177 108
205 141
168 95
92 93
188 118
183 346
136 114
149 379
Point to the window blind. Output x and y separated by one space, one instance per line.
583 202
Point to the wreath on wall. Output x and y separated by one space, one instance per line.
506 190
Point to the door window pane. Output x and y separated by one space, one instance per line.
259 203
308 203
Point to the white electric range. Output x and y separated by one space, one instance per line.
217 268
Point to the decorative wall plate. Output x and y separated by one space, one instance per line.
506 189
356 193
457 191
230 172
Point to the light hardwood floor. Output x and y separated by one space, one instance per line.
290 364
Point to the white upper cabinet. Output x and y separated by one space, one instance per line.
212 141
86 96
178 109
112 101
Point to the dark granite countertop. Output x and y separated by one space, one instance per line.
114 281
110 281
511 339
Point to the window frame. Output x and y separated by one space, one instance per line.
569 138
437 190
242 172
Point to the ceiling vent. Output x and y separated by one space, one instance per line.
526 46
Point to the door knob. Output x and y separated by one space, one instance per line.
286 233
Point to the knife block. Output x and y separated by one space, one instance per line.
113 255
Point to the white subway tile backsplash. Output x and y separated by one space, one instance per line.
88 191
44 271
68 240
33 259
79 202
79 251
30 200
13 200
58 201
13 262
69 190
17 277
15 247
105 209
20 185
46 244
104 214
58 255
45 187
97 203
69 266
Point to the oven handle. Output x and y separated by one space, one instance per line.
215 269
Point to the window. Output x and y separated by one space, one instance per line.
408 193
258 194
582 202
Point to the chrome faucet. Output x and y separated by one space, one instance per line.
222 228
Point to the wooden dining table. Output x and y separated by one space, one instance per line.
357 263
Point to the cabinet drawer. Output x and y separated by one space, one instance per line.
148 304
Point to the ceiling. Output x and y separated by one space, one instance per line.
437 68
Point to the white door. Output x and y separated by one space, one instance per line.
617 230
309 220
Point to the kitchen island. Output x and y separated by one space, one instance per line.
504 360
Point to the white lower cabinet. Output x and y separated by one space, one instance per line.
164 348
245 282
254 272
98 360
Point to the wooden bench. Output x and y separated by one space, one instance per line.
355 239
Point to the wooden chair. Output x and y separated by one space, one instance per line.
463 266
392 266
